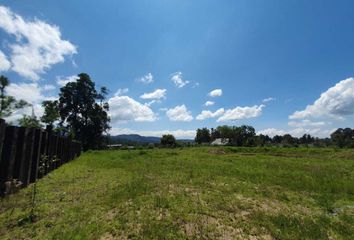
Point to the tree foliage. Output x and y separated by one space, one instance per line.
343 137
30 121
245 136
51 112
83 110
168 140
202 136
8 104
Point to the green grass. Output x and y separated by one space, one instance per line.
192 193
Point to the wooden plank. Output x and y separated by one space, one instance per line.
43 154
8 155
25 172
36 155
55 151
20 153
49 155
2 134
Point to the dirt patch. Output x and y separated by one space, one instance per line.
217 151
107 236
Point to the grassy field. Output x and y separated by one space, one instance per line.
191 193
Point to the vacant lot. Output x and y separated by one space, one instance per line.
193 193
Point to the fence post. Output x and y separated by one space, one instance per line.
8 155
21 154
55 152
25 173
49 154
43 154
2 134
36 155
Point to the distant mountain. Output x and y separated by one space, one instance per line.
133 138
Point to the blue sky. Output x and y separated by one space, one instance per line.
296 54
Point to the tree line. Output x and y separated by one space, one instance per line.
245 136
80 111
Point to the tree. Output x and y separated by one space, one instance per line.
168 140
8 104
214 134
288 140
202 136
343 137
51 112
30 121
84 111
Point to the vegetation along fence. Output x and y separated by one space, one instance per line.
27 154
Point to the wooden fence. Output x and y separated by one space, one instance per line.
27 154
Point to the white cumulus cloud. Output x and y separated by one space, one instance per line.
179 113
4 63
209 114
209 103
215 93
32 93
297 132
239 113
147 79
306 123
272 132
121 91
37 47
337 102
177 79
268 100
62 81
48 87
157 94
125 109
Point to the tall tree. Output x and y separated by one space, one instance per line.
8 104
84 111
51 112
202 136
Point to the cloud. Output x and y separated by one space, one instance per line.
209 103
150 103
125 109
121 91
336 102
272 132
147 79
63 81
297 132
179 134
38 45
215 93
306 123
209 114
179 113
48 87
157 94
239 113
4 63
268 100
31 93
177 79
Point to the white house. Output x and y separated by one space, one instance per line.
220 142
